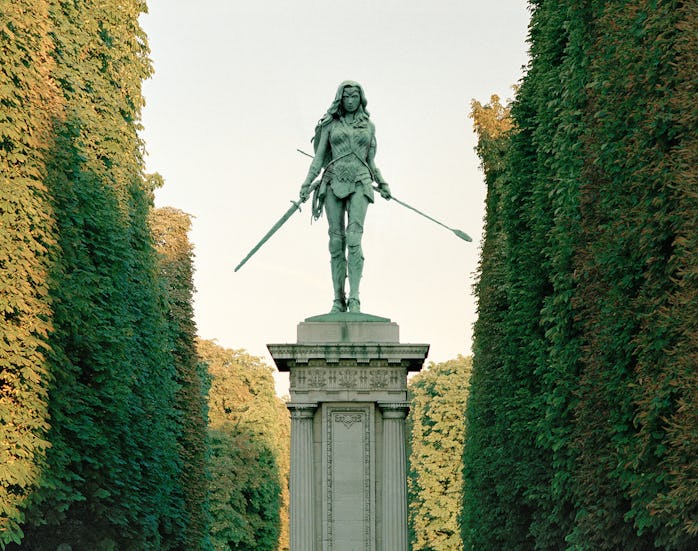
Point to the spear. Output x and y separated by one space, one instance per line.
464 236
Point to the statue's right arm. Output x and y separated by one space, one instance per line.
316 165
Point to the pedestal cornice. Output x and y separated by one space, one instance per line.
409 356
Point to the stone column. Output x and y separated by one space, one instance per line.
302 479
394 506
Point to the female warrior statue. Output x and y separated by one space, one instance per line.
345 147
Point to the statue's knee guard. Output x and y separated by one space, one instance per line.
337 244
354 239
356 253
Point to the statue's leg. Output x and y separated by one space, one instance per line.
357 206
334 209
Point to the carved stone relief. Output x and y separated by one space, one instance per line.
348 378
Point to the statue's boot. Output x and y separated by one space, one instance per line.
338 262
355 263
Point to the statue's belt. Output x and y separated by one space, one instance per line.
329 168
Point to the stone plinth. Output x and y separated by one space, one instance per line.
348 376
348 328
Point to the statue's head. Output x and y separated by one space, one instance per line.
348 86
336 110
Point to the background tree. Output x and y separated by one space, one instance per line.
435 476
170 231
249 433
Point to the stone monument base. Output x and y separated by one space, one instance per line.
348 375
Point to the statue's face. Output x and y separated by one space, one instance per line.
351 99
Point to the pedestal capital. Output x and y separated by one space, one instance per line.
302 410
394 410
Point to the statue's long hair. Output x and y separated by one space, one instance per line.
336 111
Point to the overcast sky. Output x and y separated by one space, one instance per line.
239 86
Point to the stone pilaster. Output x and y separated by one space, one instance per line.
302 480
394 506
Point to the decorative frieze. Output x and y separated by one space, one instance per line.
351 378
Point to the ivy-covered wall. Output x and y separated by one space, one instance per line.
91 391
583 406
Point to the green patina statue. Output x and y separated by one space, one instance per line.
345 147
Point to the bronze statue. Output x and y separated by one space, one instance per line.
345 147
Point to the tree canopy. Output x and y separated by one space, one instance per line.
249 434
436 433
93 385
104 437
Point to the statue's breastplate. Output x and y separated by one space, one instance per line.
345 139
348 167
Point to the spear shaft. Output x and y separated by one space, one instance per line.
464 236
296 205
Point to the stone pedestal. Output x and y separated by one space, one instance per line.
348 376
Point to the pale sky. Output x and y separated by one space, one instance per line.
238 86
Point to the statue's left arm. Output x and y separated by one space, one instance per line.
383 187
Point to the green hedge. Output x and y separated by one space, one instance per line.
582 415
92 397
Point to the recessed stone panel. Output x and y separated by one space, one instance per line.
349 477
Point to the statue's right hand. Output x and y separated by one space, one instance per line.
305 191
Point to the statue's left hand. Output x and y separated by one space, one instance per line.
384 190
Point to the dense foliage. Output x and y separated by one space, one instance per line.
29 101
170 231
94 403
581 423
249 435
104 442
435 476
